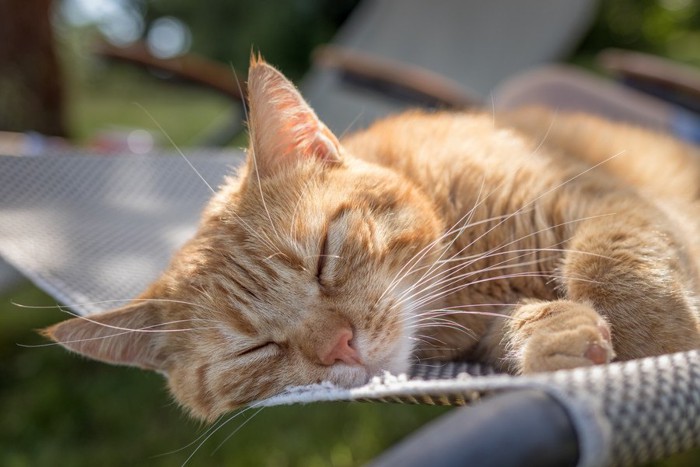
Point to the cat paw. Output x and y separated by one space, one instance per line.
567 338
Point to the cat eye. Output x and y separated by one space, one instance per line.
257 348
322 258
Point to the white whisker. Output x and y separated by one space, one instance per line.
177 148
228 420
245 422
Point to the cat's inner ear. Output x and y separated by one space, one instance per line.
282 125
127 336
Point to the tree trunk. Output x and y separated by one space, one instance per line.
31 88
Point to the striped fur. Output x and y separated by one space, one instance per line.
429 236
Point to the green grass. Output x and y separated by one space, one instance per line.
106 96
125 98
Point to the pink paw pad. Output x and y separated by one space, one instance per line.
597 354
600 353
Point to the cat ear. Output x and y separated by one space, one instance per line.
126 336
283 127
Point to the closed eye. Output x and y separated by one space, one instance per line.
322 258
256 348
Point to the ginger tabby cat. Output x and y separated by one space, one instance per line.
532 242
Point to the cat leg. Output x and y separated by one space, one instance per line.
638 274
627 282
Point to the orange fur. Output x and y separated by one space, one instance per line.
426 236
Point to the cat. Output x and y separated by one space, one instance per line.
531 241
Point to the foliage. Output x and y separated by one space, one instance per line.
227 30
288 30
670 28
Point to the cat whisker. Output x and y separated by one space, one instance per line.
452 231
450 288
446 312
478 305
146 329
207 430
431 266
215 429
427 277
302 196
151 328
450 276
447 315
240 91
245 422
520 239
544 274
547 192
465 333
446 324
446 282
441 360
274 255
417 314
262 196
552 227
448 291
255 164
495 250
177 148
501 265
462 308
546 133
531 202
352 123
479 257
130 302
261 235
411 263
459 231
421 323
428 339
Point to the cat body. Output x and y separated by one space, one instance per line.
579 206
532 242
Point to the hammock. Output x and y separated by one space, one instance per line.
94 231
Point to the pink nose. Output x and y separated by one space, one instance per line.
339 349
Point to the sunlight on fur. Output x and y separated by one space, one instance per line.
531 241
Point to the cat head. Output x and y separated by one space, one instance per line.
294 277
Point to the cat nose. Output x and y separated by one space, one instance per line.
339 348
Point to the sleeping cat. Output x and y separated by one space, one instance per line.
532 242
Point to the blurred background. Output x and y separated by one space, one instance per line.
71 72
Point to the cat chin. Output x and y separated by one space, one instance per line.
396 362
349 376
353 376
